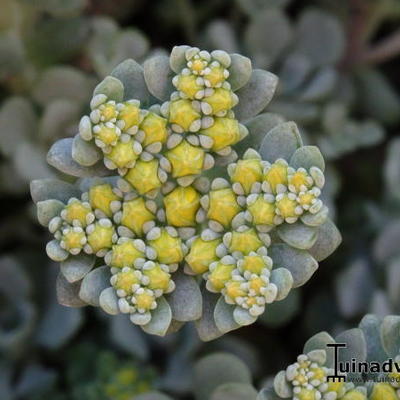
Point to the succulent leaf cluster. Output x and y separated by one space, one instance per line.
136 242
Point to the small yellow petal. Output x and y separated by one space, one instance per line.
124 254
182 113
101 196
168 248
130 114
135 214
262 211
224 132
202 254
245 242
122 154
155 129
223 206
220 275
247 172
276 175
101 238
144 176
159 279
220 100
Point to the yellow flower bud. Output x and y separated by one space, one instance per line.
202 254
155 129
306 199
257 284
130 114
253 264
101 196
215 76
73 240
168 248
144 300
101 237
233 290
181 206
108 111
299 179
135 214
276 175
224 132
124 254
286 207
187 84
357 395
125 280
220 275
251 301
198 65
122 154
223 206
76 211
247 172
335 386
319 373
220 100
307 394
182 113
186 159
108 135
262 211
159 279
383 391
144 176
245 242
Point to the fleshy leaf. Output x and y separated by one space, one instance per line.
283 279
281 385
68 293
152 396
223 315
243 317
316 219
329 238
256 94
321 85
109 301
45 189
234 391
307 157
161 319
390 330
371 326
93 284
60 157
387 244
47 210
393 281
76 267
130 73
158 76
55 252
239 71
215 370
299 262
356 345
281 142
267 394
177 58
85 153
111 87
185 300
298 235
319 342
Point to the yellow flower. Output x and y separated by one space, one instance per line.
306 199
276 175
247 172
220 275
335 386
187 84
186 159
101 237
198 65
144 300
135 214
224 132
73 239
245 242
130 114
101 197
256 284
122 154
155 129
299 179
286 207
356 395
223 206
107 134
383 391
181 206
262 211
168 248
253 264
220 100
159 279
108 111
202 254
124 254
307 394
125 280
144 176
76 211
215 76
182 113
233 290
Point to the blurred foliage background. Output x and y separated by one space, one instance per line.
338 64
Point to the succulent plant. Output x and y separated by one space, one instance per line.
375 340
252 238
316 89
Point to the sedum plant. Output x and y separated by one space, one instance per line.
166 223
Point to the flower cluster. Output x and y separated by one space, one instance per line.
161 219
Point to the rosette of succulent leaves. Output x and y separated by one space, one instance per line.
326 64
374 269
166 223
47 79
